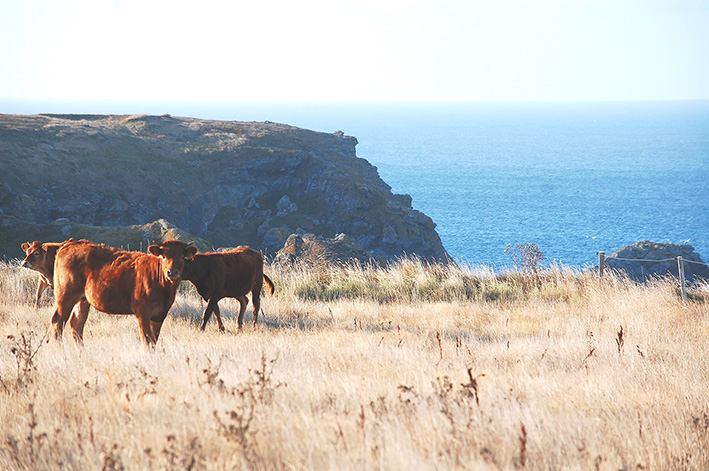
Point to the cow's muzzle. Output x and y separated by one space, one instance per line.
26 264
173 275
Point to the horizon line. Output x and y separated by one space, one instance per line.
338 102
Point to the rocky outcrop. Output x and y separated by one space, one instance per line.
135 237
644 260
229 183
317 251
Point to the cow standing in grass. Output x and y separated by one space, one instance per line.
231 274
118 282
40 258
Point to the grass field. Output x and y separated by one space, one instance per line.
413 367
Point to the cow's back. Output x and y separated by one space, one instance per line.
70 264
244 268
225 274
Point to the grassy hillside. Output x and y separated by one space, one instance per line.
409 367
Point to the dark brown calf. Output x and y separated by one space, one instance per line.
231 274
40 258
118 282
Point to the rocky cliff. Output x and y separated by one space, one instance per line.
229 183
320 252
644 260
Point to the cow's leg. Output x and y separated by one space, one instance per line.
243 302
217 314
62 310
156 326
146 329
40 289
78 318
211 304
57 324
156 321
256 298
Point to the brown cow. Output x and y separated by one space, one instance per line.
231 274
118 282
40 258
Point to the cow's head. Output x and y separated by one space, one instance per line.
35 256
172 255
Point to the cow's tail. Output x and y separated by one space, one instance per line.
269 283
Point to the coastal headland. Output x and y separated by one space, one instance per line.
226 183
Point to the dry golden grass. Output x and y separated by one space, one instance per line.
412 367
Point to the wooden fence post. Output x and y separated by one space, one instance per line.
601 263
680 270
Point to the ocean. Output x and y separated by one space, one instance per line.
573 178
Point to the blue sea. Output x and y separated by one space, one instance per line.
573 178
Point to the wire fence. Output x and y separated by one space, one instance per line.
655 260
602 260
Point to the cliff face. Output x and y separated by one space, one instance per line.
644 260
230 183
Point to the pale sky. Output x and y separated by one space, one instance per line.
363 50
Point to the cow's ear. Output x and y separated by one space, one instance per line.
155 250
190 251
25 246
